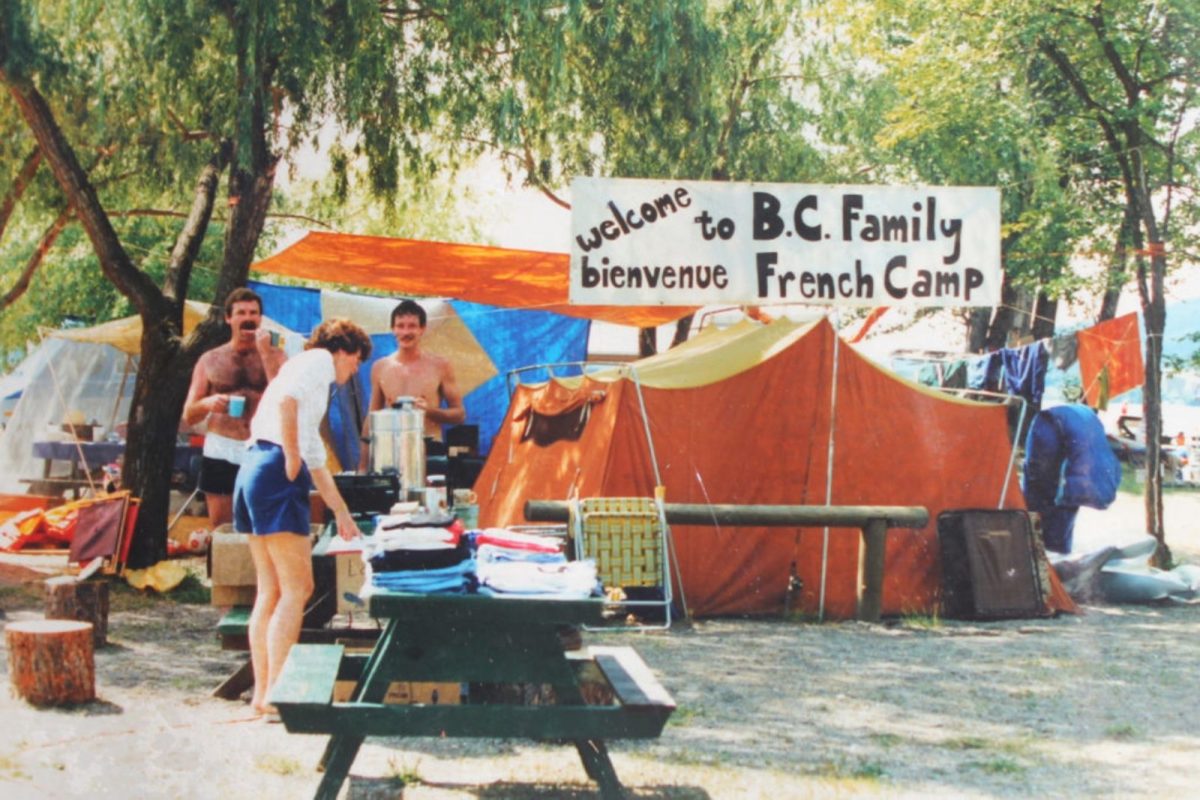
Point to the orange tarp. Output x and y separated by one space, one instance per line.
761 435
492 275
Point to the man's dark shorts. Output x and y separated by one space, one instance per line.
217 476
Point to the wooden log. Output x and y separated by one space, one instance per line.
85 601
50 662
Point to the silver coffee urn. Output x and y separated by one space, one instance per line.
398 443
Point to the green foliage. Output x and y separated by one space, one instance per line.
950 101
191 591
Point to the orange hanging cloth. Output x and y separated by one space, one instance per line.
1110 359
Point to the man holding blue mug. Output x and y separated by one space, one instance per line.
227 383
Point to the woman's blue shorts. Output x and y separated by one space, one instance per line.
264 500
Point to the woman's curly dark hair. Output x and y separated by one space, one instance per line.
340 334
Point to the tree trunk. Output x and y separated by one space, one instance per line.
162 383
977 328
1004 320
683 327
51 662
647 342
1117 275
80 601
1045 313
1154 315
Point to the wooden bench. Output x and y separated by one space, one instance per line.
304 696
58 487
308 675
233 629
631 680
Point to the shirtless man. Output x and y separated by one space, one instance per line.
409 372
242 366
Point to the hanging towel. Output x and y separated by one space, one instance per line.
1025 371
983 373
954 375
1110 350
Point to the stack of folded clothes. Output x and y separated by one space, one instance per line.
518 564
424 553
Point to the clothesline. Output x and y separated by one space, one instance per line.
1109 356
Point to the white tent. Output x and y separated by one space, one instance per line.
83 373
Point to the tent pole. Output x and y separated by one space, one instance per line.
87 472
659 488
1012 457
829 466
112 420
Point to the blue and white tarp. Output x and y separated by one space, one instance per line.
482 342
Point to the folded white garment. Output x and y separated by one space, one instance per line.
576 578
411 539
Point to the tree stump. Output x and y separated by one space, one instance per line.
50 662
85 601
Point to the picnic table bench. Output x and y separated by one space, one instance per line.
471 638
233 630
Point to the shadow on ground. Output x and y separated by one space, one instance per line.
392 789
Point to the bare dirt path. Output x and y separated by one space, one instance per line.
1098 705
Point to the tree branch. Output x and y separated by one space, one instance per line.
737 96
24 177
531 176
188 136
526 160
1101 114
81 195
191 235
1127 81
36 259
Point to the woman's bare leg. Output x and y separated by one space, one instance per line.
265 602
291 557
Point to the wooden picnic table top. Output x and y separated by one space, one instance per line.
486 610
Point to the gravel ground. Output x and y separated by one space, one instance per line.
1096 705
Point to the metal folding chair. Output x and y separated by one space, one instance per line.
628 539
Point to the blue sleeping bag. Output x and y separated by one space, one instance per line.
1068 464
1068 461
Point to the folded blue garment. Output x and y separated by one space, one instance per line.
458 577
443 586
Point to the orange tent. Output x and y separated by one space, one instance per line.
492 275
745 416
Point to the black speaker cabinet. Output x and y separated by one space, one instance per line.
988 567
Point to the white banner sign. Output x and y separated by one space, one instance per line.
687 243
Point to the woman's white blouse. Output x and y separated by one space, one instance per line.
306 378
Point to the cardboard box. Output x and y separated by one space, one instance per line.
233 578
351 574
232 564
402 693
233 595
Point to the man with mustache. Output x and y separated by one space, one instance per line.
240 368
411 372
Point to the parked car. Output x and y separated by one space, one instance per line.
1129 445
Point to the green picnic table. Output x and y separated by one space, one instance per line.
471 639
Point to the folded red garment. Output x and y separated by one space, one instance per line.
502 537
